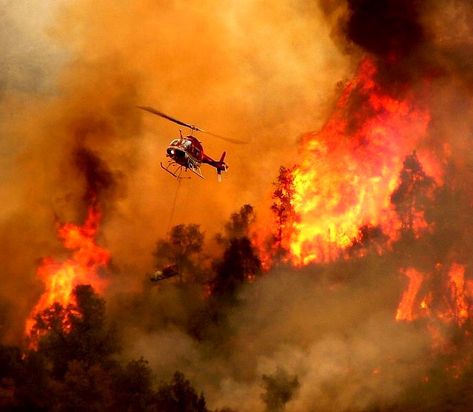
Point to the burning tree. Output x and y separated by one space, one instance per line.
76 332
347 170
283 211
413 197
84 266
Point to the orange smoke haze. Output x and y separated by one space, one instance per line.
349 115
242 70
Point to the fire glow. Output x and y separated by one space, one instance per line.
83 267
453 306
352 176
349 169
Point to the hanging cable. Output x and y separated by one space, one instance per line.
174 203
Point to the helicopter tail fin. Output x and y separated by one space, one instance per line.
222 158
221 166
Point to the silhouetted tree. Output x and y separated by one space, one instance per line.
279 389
85 388
179 396
240 261
283 210
133 387
413 198
34 388
73 367
239 224
10 361
239 264
453 220
23 380
78 332
369 239
183 248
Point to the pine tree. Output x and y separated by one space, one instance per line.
413 197
283 209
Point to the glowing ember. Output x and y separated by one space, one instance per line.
349 169
82 267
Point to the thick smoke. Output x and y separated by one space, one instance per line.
423 47
245 70
69 111
98 179
340 341
386 27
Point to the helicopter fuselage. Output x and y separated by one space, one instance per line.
187 152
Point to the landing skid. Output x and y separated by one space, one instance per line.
177 170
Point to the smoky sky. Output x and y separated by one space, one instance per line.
70 126
383 27
243 69
98 178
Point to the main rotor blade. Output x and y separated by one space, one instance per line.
228 139
165 116
190 126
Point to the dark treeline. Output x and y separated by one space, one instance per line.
74 367
73 362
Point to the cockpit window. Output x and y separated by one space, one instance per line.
175 142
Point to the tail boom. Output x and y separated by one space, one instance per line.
220 165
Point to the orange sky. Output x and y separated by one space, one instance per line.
74 74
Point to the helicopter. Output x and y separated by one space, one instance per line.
187 153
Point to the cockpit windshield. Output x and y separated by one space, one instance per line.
185 143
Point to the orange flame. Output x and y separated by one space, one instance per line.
453 302
406 310
82 267
349 169
457 292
